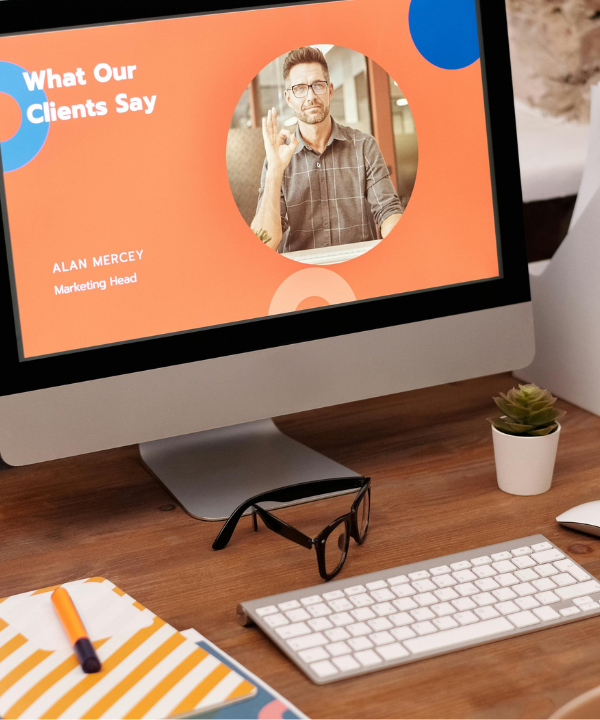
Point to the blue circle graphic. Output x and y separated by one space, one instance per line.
445 32
30 137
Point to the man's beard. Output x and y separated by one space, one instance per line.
313 118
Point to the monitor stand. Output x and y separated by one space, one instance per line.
210 473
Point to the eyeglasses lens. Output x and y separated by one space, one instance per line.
362 515
319 88
335 548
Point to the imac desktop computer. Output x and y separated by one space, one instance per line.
212 216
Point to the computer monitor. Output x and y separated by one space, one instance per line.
177 272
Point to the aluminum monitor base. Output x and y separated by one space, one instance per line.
211 473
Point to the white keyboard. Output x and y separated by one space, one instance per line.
390 617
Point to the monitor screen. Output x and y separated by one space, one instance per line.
139 201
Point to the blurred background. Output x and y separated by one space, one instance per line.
365 97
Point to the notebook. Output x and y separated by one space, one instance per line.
148 668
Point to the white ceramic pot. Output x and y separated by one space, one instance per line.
525 464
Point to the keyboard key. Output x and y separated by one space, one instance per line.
337 634
318 624
444 581
486 613
527 603
483 599
426 599
403 633
506 608
360 643
547 556
384 609
345 663
355 590
342 618
289 605
296 615
507 579
446 594
376 585
464 576
565 612
422 614
292 631
324 668
459 635
546 613
442 609
381 638
405 604
424 628
311 600
440 570
564 579
527 575
578 573
402 591
585 588
339 648
505 555
392 652
519 552
484 571
589 606
463 604
314 654
487 584
361 600
544 584
340 605
524 589
400 619
462 565
524 562
379 624
582 600
419 575
504 566
547 598
564 565
466 618
308 641
504 594
358 629
398 580
546 570
367 658
541 546
423 586
524 619
333 595
382 595
362 614
277 620
268 610
483 560
445 623
467 589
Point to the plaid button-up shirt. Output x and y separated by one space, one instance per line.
337 197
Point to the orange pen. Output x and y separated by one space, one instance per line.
78 637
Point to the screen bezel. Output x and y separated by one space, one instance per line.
16 376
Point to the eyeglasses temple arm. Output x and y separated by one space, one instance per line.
282 528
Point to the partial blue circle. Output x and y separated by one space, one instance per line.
30 137
445 32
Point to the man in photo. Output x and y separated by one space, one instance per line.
327 184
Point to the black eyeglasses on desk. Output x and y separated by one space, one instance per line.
332 542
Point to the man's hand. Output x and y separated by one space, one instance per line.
278 153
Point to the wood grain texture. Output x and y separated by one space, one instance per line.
429 453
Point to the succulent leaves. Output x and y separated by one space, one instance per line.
526 411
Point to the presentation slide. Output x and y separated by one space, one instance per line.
177 174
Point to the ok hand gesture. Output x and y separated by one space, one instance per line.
278 153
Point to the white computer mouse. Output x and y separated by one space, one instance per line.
585 518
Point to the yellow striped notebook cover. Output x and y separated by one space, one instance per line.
149 669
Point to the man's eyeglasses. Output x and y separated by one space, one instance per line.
319 88
332 542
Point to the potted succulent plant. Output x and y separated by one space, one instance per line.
525 440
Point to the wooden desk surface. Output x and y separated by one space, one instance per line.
430 455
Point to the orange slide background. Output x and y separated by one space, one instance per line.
158 182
